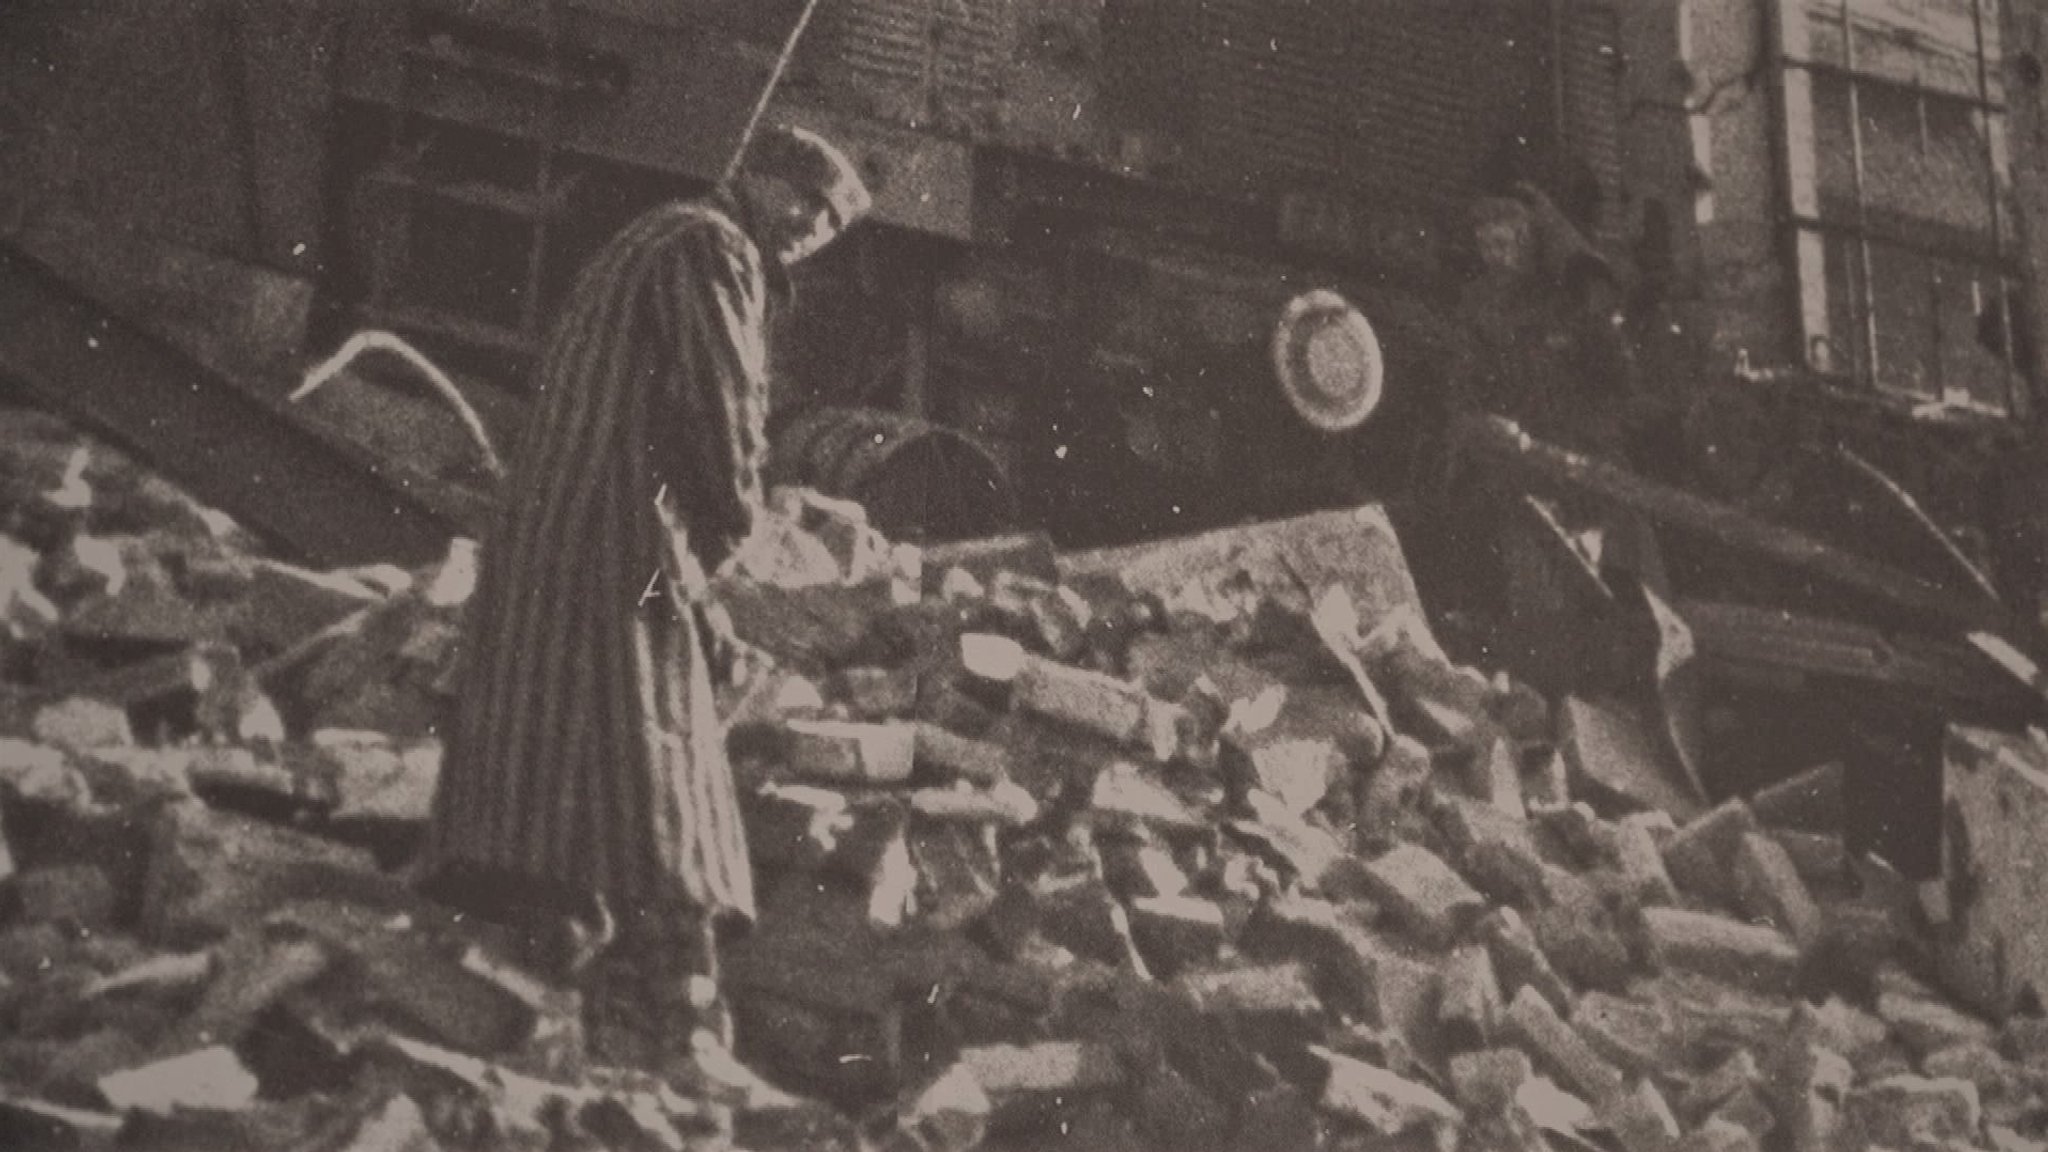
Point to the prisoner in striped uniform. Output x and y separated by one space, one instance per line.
586 766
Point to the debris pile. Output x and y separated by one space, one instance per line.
1199 845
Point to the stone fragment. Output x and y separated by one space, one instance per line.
1808 1086
1748 1110
1705 1092
1701 856
957 872
1489 1080
80 724
1134 869
1635 1036
1820 858
1380 1100
1175 933
1424 894
1277 1000
1769 890
1519 960
961 757
208 1078
1003 805
950 1114
1469 1000
1717 1136
1299 770
842 752
1927 1025
210 872
1364 975
403 971
1639 1118
1584 945
1746 955
1109 707
1536 1027
78 894
1915 1112
1049 1067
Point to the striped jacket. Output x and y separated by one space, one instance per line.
586 754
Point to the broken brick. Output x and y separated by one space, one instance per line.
1705 1092
1809 1085
1640 859
1583 945
841 752
874 694
961 757
1176 932
1717 1136
958 872
1489 1081
1085 916
1364 975
1300 771
1537 1028
1096 702
1701 857
1134 869
796 825
1173 1111
1424 894
1637 1037
1497 852
1768 889
207 1079
1051 1067
1818 857
1390 799
1382 1101
252 972
1639 1118
29 1123
1519 959
79 724
1748 955
1914 1112
210 872
1927 1025
1005 805
1469 999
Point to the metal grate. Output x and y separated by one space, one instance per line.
920 61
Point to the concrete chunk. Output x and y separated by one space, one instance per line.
841 752
1469 1000
1768 889
1382 1101
1176 932
1637 1037
208 1079
1489 1081
1532 1024
1640 1119
1701 857
1809 1085
1927 1025
1424 894
1914 1112
1519 960
1047 1068
1747 955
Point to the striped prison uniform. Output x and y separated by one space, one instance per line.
586 758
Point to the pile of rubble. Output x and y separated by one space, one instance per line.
1200 846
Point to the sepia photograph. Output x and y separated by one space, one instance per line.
1014 575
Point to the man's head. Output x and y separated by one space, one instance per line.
801 191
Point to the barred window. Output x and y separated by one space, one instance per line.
1900 197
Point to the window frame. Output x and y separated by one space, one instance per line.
1810 227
